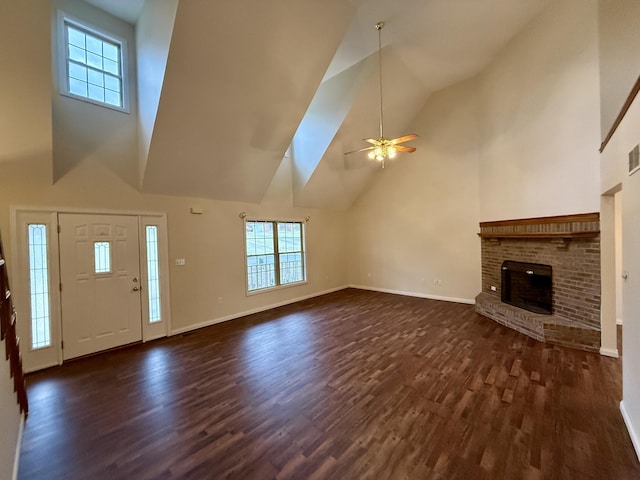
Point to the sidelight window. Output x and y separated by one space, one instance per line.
153 275
39 286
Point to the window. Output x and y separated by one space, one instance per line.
275 254
39 286
102 257
153 273
92 65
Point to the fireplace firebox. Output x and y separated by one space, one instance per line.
527 286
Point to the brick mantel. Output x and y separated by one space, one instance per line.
582 225
571 245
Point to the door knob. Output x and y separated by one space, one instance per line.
136 288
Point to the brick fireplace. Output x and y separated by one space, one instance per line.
570 245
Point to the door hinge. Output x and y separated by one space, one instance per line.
62 344
59 229
60 286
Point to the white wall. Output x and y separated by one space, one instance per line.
25 137
417 222
619 67
619 21
153 38
541 118
614 163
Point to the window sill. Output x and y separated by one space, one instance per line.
94 102
251 293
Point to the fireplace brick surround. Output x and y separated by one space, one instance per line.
571 245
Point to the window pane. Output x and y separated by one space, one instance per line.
111 67
76 37
112 98
102 256
260 238
77 87
77 71
261 271
153 273
291 268
39 286
94 45
112 83
77 54
289 239
94 60
96 93
111 52
96 78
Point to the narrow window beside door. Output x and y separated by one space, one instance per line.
39 287
152 273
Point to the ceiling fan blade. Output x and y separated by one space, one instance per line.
360 150
406 138
402 148
375 141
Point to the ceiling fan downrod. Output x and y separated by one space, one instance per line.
379 26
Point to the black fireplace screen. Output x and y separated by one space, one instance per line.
527 285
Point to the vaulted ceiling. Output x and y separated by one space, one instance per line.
251 84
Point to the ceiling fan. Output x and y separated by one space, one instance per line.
384 148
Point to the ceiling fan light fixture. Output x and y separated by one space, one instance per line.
391 152
383 148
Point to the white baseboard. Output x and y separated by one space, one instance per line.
618 321
469 301
635 440
233 316
609 352
16 459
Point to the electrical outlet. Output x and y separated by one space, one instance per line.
493 288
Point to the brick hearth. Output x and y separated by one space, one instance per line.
571 245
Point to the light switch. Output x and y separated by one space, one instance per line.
180 261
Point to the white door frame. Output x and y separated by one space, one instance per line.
51 356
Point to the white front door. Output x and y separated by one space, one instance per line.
100 276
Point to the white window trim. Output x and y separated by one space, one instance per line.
259 291
36 359
161 328
63 78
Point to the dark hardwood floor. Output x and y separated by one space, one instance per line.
351 385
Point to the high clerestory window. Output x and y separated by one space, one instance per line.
92 64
